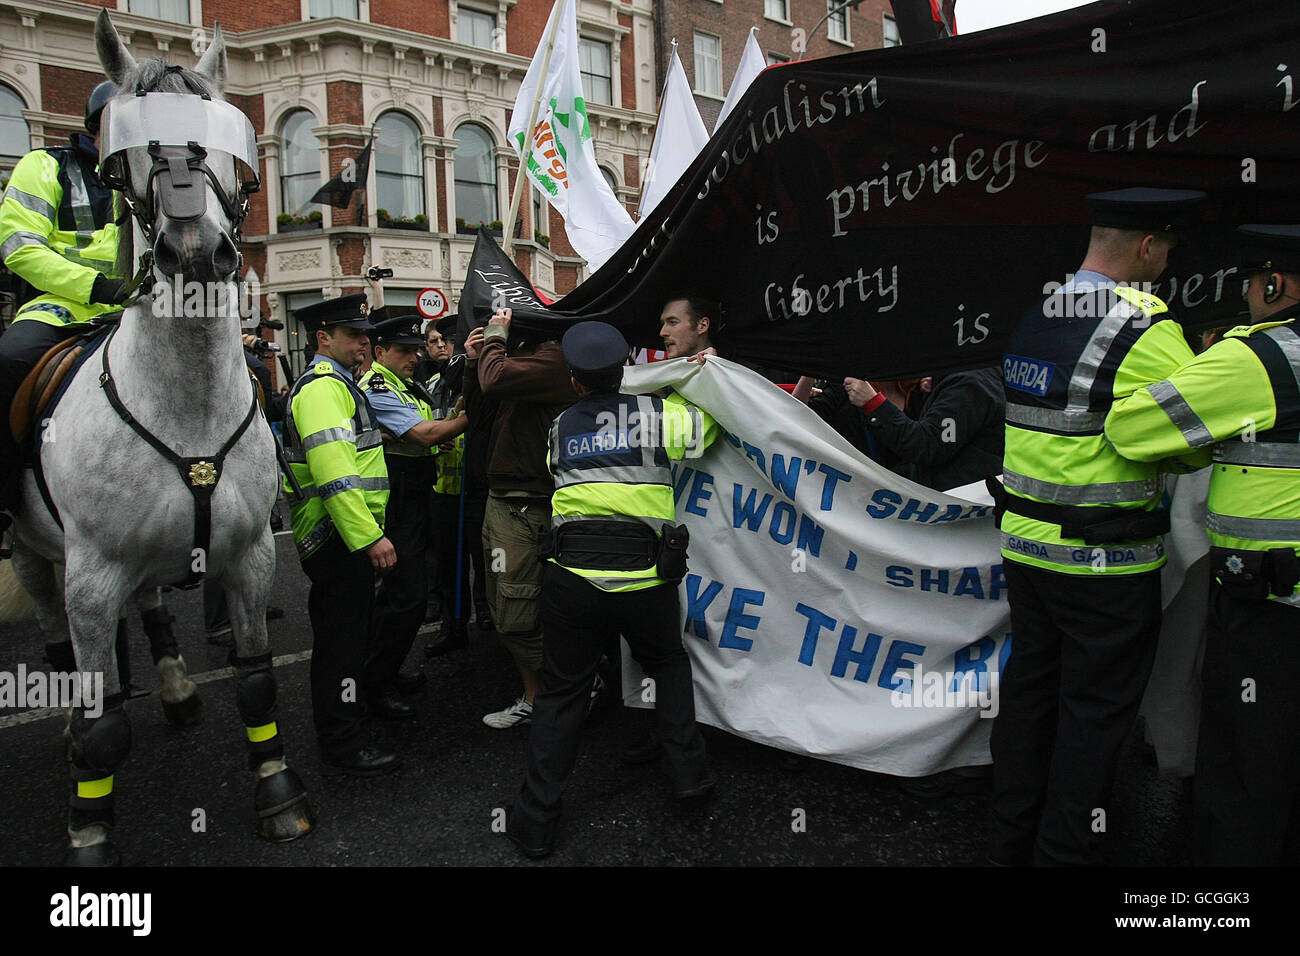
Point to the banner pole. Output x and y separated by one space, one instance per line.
508 233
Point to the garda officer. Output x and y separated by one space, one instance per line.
57 234
615 558
404 411
1080 533
334 448
1246 387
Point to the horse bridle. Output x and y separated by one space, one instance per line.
176 179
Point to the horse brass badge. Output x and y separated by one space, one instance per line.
202 474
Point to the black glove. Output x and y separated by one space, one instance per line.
108 291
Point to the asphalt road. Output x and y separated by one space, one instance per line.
439 809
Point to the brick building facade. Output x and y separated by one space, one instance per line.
436 78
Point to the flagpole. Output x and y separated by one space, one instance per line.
508 233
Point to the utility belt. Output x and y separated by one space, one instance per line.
614 545
410 471
1254 575
1094 525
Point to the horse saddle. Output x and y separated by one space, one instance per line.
42 384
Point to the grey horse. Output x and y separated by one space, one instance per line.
127 519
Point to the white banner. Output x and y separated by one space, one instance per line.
562 163
822 586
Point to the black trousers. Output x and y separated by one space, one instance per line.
340 606
445 518
21 347
1081 655
1247 791
578 620
399 606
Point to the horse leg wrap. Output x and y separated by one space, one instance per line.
99 746
162 639
255 696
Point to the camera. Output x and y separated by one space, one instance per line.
374 272
263 347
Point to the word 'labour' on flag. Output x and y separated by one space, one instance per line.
561 158
680 134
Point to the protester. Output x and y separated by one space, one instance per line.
958 435
531 382
688 323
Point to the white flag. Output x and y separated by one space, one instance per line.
679 136
563 159
752 63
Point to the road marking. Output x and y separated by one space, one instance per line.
207 677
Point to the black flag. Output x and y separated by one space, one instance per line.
338 191
492 281
920 20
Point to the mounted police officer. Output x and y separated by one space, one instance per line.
333 443
58 235
411 436
1081 533
615 558
1239 401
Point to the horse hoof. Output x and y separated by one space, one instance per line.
97 854
283 811
184 713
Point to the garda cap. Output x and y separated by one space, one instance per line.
399 330
1268 248
596 352
446 326
1146 208
350 311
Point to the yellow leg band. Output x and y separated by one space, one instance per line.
93 789
258 734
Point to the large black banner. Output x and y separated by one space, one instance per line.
894 212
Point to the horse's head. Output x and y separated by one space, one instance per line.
174 149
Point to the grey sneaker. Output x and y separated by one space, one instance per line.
520 712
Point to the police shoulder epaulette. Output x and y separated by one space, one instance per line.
376 383
323 368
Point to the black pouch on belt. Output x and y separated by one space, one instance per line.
605 545
673 542
1283 569
1096 525
1241 573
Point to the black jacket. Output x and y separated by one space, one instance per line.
959 435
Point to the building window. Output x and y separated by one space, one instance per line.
178 11
890 32
774 58
777 10
597 78
15 137
837 26
476 177
609 178
300 165
475 28
334 8
541 223
708 64
399 171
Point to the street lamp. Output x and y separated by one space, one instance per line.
829 13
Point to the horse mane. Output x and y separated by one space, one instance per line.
153 75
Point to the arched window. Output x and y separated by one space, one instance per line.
15 138
300 163
399 170
476 176
609 178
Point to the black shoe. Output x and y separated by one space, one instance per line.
700 791
452 638
483 618
648 751
363 761
409 682
387 704
6 539
532 842
274 613
433 612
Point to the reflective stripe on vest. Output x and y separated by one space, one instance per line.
1067 421
1109 493
79 201
346 483
1264 453
648 472
1254 529
35 203
1077 556
1180 413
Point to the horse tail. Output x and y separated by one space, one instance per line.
15 603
